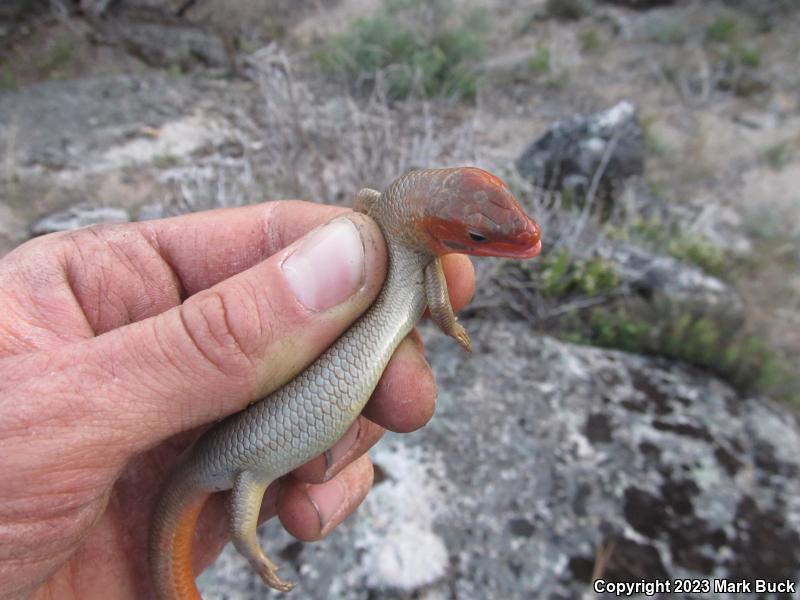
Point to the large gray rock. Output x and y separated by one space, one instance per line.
541 453
100 141
608 145
124 140
90 124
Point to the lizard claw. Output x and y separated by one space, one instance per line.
270 577
462 337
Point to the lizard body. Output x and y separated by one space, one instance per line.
423 215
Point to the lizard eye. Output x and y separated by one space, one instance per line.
477 237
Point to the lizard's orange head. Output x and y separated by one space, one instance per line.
474 212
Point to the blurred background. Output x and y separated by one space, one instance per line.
630 411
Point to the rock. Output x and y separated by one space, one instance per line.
74 124
114 139
152 144
168 42
569 9
571 152
12 10
723 227
541 453
79 215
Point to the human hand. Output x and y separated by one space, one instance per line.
119 343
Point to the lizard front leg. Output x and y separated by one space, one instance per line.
440 307
365 198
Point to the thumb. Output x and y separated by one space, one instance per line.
223 348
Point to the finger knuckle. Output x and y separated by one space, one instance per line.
225 330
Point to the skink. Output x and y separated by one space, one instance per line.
423 215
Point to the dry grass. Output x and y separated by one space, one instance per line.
306 144
327 148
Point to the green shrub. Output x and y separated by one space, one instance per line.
562 275
652 230
778 155
539 63
743 359
590 40
165 161
750 56
652 142
724 30
8 80
666 30
55 58
554 274
436 59
700 252
617 330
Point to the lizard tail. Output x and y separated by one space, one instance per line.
171 534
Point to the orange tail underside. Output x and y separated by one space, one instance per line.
175 578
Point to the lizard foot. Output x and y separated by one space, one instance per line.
462 337
270 577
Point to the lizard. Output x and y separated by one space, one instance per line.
423 215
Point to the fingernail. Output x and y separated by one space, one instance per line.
328 499
328 267
342 447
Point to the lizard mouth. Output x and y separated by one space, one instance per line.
497 249
529 242
534 250
509 250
